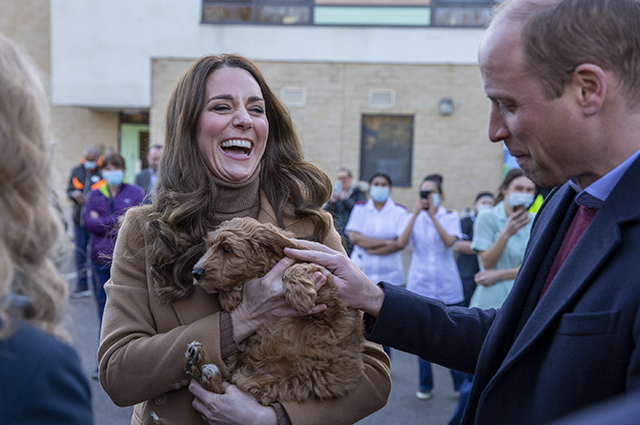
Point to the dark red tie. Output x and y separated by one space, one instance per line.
580 222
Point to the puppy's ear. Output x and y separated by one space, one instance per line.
272 239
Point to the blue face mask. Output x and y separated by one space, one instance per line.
435 199
379 193
113 177
90 165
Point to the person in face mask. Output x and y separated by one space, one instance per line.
376 224
105 205
433 231
374 227
84 177
500 238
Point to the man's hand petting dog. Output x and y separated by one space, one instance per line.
353 285
264 301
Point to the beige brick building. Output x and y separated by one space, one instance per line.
104 61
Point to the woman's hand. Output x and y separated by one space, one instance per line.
516 221
422 204
353 285
263 301
234 407
487 277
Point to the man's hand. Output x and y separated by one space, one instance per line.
353 285
78 196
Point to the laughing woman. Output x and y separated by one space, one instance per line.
230 151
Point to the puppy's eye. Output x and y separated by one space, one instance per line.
225 249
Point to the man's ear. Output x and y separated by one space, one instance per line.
591 84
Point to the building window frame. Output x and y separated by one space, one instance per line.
415 13
386 145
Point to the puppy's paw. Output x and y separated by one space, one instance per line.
299 287
196 358
211 379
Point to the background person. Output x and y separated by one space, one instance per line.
374 228
565 99
344 197
102 213
148 177
433 230
41 379
500 239
84 177
467 259
230 151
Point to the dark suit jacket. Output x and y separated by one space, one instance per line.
581 343
143 179
41 381
623 410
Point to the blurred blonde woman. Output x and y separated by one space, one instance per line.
40 376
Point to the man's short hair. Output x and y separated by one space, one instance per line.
560 35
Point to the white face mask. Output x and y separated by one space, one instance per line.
379 193
484 207
519 198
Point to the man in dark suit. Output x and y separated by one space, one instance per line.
147 178
563 77
622 410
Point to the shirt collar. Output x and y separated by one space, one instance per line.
387 205
597 192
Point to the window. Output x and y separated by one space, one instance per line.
413 13
387 146
278 12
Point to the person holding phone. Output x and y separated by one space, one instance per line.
500 237
433 230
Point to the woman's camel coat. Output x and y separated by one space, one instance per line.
143 342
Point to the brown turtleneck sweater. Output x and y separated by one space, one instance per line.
237 199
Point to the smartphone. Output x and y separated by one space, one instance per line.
518 208
424 194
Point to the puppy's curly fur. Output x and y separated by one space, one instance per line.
311 357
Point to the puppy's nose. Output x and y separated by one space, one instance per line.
197 273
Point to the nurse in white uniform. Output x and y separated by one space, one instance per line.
433 230
374 227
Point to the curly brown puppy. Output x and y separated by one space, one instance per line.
317 356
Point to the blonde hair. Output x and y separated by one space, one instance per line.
29 229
